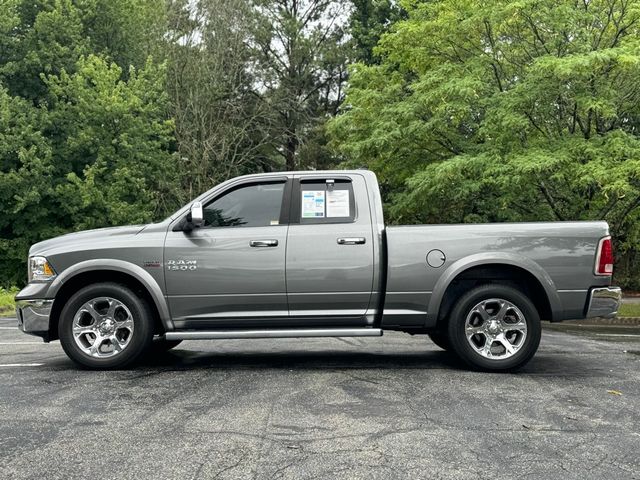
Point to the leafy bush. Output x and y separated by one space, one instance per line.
7 303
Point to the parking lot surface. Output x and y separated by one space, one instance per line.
390 407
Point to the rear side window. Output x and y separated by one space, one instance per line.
326 201
257 205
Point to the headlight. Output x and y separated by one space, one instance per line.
39 269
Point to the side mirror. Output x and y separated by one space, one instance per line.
195 218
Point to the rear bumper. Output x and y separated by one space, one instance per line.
604 302
33 316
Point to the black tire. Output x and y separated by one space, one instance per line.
462 346
441 340
160 345
142 319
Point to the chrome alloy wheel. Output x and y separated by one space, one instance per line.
496 329
103 327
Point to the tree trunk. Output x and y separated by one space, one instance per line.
290 153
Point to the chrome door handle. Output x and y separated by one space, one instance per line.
351 241
263 243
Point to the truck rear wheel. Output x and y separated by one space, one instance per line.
105 325
494 327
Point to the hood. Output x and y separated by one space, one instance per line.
70 240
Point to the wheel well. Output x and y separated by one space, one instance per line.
98 276
499 274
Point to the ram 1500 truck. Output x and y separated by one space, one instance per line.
307 254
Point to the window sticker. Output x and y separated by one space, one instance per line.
338 203
312 203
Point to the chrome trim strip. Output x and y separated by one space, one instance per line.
241 314
604 302
327 313
274 333
271 294
428 292
403 311
293 294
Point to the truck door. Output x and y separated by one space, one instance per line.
330 256
230 272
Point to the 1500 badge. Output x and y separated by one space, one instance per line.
182 265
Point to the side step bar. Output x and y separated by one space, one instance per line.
274 333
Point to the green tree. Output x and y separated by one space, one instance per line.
27 194
221 127
523 110
84 142
368 21
112 144
301 54
44 37
128 32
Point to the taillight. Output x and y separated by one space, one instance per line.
604 258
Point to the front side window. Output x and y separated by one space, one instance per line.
256 205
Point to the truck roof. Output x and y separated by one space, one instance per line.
309 172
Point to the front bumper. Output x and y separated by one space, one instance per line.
33 316
604 302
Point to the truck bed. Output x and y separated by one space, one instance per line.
560 255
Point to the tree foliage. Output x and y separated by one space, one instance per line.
221 126
368 21
503 111
253 83
117 111
84 142
301 54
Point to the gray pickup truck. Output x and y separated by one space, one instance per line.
307 254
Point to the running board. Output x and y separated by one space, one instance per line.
273 333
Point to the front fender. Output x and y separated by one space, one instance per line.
121 266
488 258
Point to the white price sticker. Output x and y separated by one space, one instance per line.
338 203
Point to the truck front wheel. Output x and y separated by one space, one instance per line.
494 327
105 325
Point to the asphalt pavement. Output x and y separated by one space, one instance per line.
391 407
